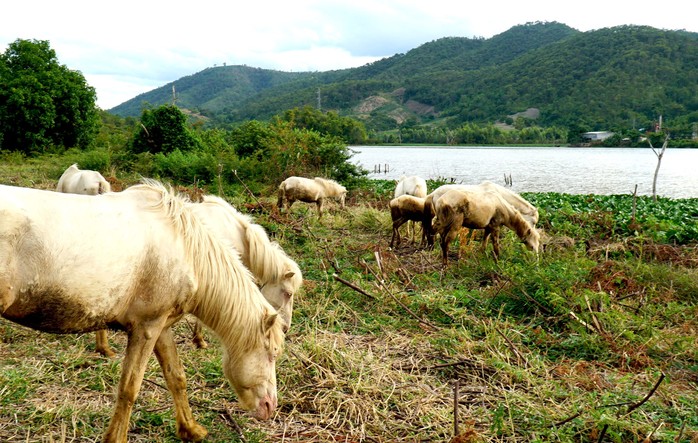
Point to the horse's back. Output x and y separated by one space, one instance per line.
301 188
527 210
412 185
80 258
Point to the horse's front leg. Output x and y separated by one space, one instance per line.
494 233
319 207
166 352
141 340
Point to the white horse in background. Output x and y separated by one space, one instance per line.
480 209
412 185
310 191
417 187
138 261
82 181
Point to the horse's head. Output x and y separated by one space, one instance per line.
252 372
280 293
532 239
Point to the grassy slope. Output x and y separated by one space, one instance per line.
559 349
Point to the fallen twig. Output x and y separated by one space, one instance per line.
353 286
247 189
632 407
582 322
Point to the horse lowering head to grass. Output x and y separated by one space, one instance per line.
403 209
310 191
82 181
277 275
138 261
526 209
480 210
415 186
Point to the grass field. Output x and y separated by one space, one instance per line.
596 340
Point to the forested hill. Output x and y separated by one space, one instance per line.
617 77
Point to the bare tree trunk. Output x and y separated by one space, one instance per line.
659 155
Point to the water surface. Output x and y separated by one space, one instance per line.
564 170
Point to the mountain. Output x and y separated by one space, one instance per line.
613 77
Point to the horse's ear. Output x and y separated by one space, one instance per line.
269 320
289 274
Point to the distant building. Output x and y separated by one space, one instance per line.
597 135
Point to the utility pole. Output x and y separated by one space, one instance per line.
319 100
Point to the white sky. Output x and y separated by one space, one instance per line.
127 47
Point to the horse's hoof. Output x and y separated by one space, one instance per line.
200 343
106 352
195 432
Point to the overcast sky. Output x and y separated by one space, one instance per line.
127 47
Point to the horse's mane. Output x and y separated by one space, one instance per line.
330 185
225 294
267 260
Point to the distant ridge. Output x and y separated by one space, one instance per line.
609 77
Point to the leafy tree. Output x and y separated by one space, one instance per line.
163 129
250 137
329 123
43 104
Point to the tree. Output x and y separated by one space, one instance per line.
43 104
163 129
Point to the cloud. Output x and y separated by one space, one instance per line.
130 47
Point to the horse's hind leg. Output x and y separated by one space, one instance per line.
102 344
166 352
198 338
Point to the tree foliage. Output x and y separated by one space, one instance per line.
163 129
329 123
43 104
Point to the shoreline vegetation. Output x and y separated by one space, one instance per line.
595 340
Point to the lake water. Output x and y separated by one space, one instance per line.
564 170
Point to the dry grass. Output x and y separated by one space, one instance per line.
383 366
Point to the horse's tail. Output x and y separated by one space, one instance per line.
103 187
427 218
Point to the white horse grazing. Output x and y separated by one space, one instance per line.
310 191
412 185
417 187
526 209
82 181
276 274
403 209
480 210
138 261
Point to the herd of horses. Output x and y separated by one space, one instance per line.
88 259
447 209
